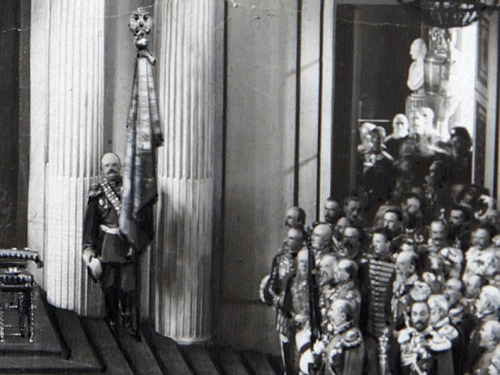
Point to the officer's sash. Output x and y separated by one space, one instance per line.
112 197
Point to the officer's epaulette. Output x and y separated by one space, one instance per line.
405 335
352 338
350 296
95 190
449 332
457 310
439 343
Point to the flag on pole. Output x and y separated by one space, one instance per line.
143 137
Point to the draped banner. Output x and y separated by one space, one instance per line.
143 136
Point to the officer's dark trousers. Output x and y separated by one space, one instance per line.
118 285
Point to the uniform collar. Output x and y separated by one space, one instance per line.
342 327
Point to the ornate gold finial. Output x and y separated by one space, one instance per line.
141 24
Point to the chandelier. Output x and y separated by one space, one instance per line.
452 13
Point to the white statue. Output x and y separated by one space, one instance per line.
418 50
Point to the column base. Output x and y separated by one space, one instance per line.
191 341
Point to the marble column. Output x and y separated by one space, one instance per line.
181 255
66 143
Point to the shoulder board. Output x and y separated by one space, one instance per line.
95 190
457 310
350 295
449 332
439 343
405 335
352 338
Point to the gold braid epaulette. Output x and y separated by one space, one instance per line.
352 338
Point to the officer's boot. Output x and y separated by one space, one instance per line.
111 307
127 304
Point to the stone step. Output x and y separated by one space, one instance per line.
166 352
258 363
137 353
77 357
80 350
199 359
230 362
45 365
105 346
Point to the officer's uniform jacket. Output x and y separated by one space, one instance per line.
443 327
424 350
101 223
401 301
326 299
283 266
474 350
448 330
376 278
350 292
345 353
296 300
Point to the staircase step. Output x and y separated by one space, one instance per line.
166 352
45 365
138 354
258 363
199 359
106 347
75 338
230 362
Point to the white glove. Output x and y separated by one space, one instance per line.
87 255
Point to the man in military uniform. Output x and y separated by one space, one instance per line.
406 274
481 243
352 242
273 290
489 339
440 321
352 209
453 292
422 349
458 224
102 240
321 241
338 232
486 308
345 353
345 278
296 307
327 266
295 217
376 276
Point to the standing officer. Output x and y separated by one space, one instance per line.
102 242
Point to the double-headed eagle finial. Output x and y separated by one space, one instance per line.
141 24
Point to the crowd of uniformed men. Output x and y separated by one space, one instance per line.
402 276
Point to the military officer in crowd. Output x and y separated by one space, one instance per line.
427 289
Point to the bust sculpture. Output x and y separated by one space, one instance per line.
418 50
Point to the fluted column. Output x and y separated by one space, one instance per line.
181 258
69 144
